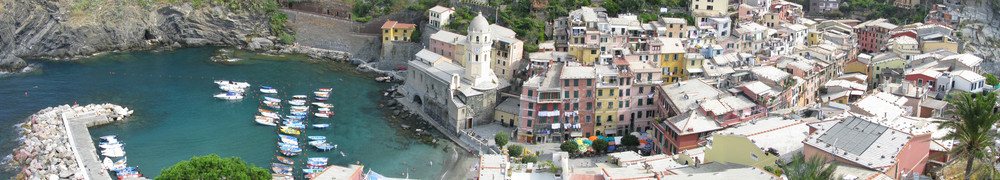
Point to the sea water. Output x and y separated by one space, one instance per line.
177 118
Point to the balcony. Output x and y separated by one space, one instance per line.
549 100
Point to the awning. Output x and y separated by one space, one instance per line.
576 134
555 125
695 70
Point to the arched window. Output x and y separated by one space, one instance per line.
477 58
477 39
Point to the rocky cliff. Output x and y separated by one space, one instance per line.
61 29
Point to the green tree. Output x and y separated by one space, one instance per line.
515 150
600 145
973 129
611 6
630 141
416 35
214 167
501 139
569 146
990 78
815 168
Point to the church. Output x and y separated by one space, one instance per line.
454 96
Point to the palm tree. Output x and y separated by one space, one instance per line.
972 128
815 168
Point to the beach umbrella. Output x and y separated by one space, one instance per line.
643 141
588 142
592 138
611 148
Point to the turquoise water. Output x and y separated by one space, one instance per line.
176 116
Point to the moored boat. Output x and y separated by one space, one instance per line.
289 131
229 96
271 99
297 102
317 137
300 96
285 160
288 139
322 115
325 89
322 93
320 126
269 91
265 121
279 168
232 83
272 104
230 88
321 98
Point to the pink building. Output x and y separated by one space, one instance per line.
444 43
873 35
859 142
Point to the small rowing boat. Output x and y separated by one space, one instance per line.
229 96
321 98
320 126
285 160
325 89
300 96
288 139
271 99
317 137
265 121
297 102
268 91
232 83
322 115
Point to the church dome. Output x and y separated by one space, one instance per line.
479 24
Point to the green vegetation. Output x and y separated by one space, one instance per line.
974 131
515 150
569 146
600 145
460 22
991 79
873 9
363 11
687 17
529 159
630 141
814 168
501 139
424 5
214 167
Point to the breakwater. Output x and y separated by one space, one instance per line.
57 144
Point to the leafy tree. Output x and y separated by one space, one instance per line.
630 141
990 78
600 145
569 146
611 6
632 5
501 138
214 167
815 168
973 129
515 150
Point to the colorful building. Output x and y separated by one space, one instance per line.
396 31
873 35
669 52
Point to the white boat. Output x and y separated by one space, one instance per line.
265 121
229 96
300 96
232 88
270 115
322 115
108 164
113 152
322 93
269 91
113 145
297 102
234 83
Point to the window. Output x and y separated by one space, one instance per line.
590 106
640 102
621 117
620 104
530 93
566 107
576 94
611 105
600 93
649 101
640 89
529 122
598 105
404 31
395 30
611 92
542 119
675 59
386 31
588 82
566 82
628 92
610 118
593 51
566 94
627 103
598 119
576 82
576 106
531 105
589 93
692 63
709 8
587 118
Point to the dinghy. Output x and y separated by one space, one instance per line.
320 126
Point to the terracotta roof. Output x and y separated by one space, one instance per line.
396 24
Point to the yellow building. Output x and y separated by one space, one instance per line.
606 112
508 112
674 27
858 65
882 62
584 53
938 42
693 65
670 54
396 31
748 144
814 38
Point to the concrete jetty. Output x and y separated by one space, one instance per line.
58 145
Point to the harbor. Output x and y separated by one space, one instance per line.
177 116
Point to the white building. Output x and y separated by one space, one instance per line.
965 80
438 16
456 97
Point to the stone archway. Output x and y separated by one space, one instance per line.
418 100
